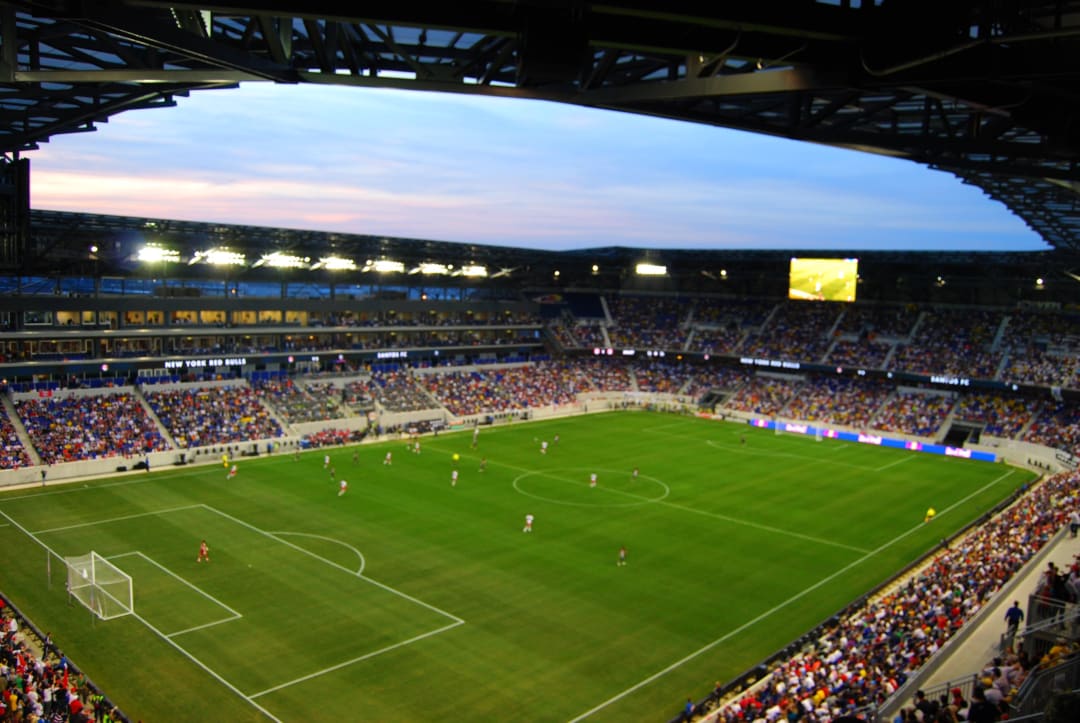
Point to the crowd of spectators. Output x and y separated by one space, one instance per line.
647 322
12 452
873 321
660 376
860 353
731 312
914 412
763 395
502 389
716 339
1002 416
399 391
1056 425
200 416
39 684
838 400
1045 330
796 331
718 379
956 342
306 402
1035 366
871 650
1023 347
332 438
74 428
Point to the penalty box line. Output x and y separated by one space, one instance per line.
235 615
455 620
210 671
776 608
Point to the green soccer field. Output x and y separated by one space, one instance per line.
410 599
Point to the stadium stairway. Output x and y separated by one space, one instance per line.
20 430
961 659
161 428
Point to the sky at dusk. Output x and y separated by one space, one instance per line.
503 172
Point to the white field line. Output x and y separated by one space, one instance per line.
776 608
234 614
909 456
309 553
714 515
739 449
358 659
168 637
359 554
116 519
67 488
214 674
206 667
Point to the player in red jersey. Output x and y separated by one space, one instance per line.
204 552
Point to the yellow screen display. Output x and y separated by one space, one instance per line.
823 279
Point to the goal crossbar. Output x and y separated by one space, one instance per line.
99 585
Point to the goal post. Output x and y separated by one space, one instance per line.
99 585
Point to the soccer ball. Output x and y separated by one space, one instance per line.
456 457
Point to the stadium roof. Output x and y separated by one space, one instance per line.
984 90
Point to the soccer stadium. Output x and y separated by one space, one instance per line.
260 473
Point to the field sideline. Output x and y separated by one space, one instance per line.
408 598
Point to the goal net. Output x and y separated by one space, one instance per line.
99 585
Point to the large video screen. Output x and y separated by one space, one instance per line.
823 279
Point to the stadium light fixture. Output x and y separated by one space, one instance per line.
430 269
279 260
472 271
384 266
651 270
504 271
334 263
154 254
219 257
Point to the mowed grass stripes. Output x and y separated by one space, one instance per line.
411 599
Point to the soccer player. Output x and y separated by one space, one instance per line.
342 486
225 460
634 474
475 435
528 524
204 552
232 472
592 479
543 447
416 447
389 458
483 464
453 478
556 439
930 513
326 461
356 457
622 556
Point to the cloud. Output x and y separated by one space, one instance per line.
502 171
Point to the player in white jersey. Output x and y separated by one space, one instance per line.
592 479
528 524
342 486
453 478
389 458
543 447
232 472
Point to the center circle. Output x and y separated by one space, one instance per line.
579 477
